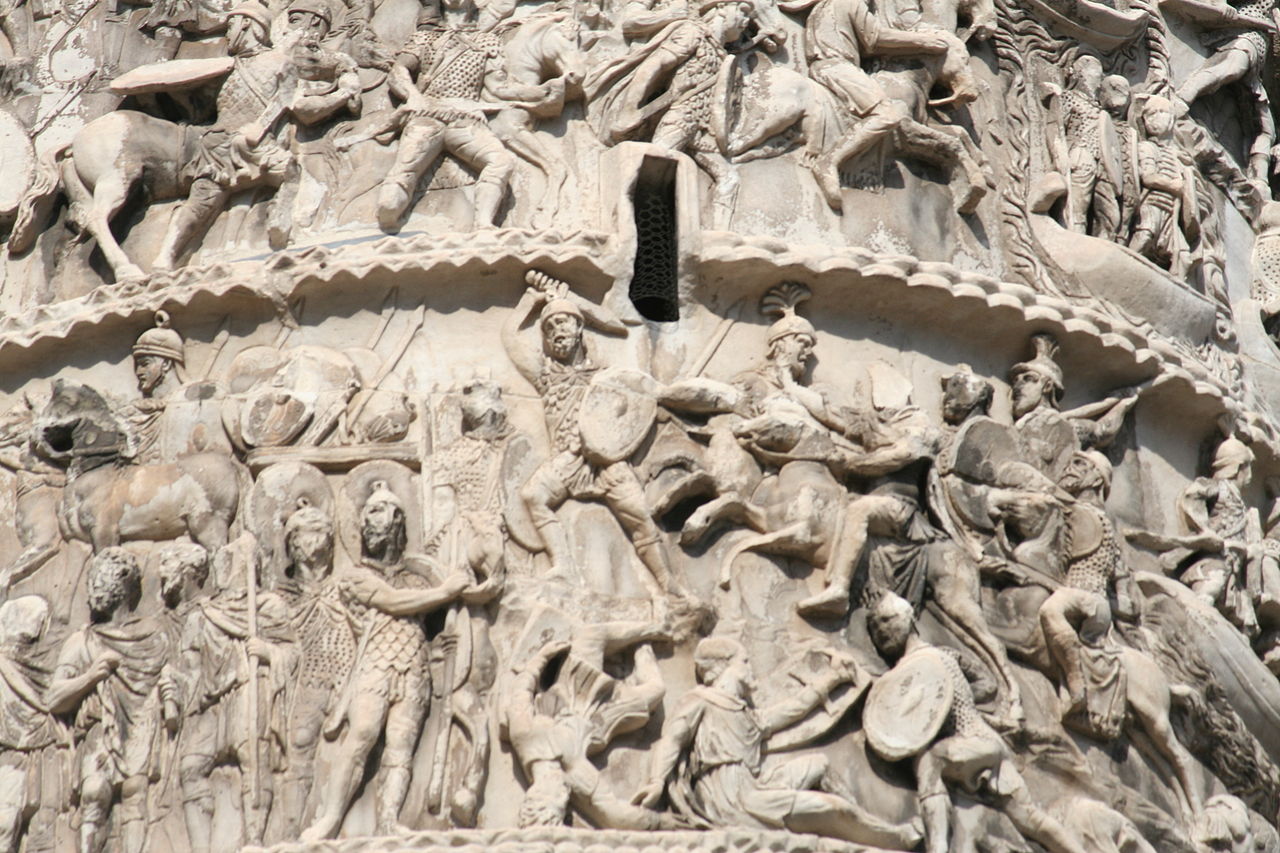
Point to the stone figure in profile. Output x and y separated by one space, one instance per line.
108 676
1214 509
682 56
945 737
1048 435
387 693
235 649
712 753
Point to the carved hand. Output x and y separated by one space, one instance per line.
259 650
649 795
105 665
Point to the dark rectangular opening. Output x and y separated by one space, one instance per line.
653 279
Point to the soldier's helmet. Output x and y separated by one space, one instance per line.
1042 363
161 341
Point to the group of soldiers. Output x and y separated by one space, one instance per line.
331 651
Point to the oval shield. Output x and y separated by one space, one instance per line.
908 705
616 415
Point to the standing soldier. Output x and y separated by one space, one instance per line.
28 756
109 674
222 651
387 693
324 629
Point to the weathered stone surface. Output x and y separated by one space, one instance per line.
748 425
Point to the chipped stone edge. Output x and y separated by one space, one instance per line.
565 840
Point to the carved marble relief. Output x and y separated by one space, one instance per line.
784 425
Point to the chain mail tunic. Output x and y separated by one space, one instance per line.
562 388
1080 119
452 64
394 652
1095 570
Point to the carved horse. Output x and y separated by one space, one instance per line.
1032 534
541 51
781 99
800 512
106 161
107 501
38 490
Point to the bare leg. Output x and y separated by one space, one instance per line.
367 714
204 202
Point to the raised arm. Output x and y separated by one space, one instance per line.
379 594
526 359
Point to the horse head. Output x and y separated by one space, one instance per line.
544 47
77 429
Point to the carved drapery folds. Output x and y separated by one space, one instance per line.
739 424
324 596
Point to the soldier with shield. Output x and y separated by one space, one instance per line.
924 709
592 446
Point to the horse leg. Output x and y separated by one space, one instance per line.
955 584
204 202
109 194
1149 699
793 535
730 506
945 150
516 134
727 183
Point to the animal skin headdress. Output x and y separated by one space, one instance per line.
781 302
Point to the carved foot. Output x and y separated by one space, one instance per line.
392 201
828 603
828 178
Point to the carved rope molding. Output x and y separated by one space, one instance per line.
280 275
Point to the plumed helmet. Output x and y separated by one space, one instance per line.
1042 363
782 302
160 340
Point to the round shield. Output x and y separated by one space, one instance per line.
359 485
518 465
277 493
616 415
908 705
273 417
172 75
